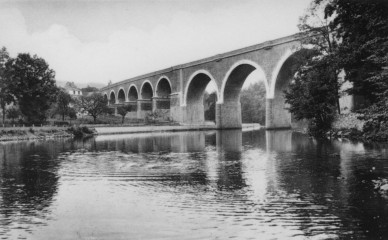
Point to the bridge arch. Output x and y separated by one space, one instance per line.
229 106
121 96
106 97
235 78
146 90
112 97
193 95
133 93
163 87
207 77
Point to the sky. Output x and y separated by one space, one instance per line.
94 42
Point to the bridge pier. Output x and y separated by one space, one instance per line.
276 116
228 115
143 107
194 113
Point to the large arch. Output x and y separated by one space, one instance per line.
193 96
121 96
235 77
146 90
163 87
133 93
277 114
112 97
229 107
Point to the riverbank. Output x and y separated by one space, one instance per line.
51 132
31 133
175 128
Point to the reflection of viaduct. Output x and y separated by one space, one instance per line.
180 89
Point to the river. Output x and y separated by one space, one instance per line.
193 185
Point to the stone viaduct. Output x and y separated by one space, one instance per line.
180 89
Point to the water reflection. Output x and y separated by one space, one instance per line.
220 184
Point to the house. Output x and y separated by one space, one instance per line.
72 89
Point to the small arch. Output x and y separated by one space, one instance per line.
194 96
163 87
197 75
133 94
121 96
235 78
146 90
112 97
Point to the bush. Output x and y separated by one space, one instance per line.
80 132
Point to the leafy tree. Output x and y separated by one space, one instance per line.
89 89
5 95
72 113
63 103
32 83
362 28
123 110
253 104
94 105
210 101
314 92
13 113
313 95
322 41
359 33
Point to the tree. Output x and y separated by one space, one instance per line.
322 40
123 110
94 105
89 89
313 95
362 28
253 104
32 83
63 104
13 113
210 105
5 96
314 92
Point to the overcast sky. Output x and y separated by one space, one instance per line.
97 41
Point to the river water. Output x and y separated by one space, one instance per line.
193 185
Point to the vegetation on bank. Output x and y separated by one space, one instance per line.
349 36
47 132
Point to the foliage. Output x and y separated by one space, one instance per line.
313 95
93 105
376 121
210 106
32 83
362 28
123 110
253 104
89 89
5 95
13 113
80 132
63 107
314 92
157 116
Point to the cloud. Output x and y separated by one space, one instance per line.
133 51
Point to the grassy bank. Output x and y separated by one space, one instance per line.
355 126
27 133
